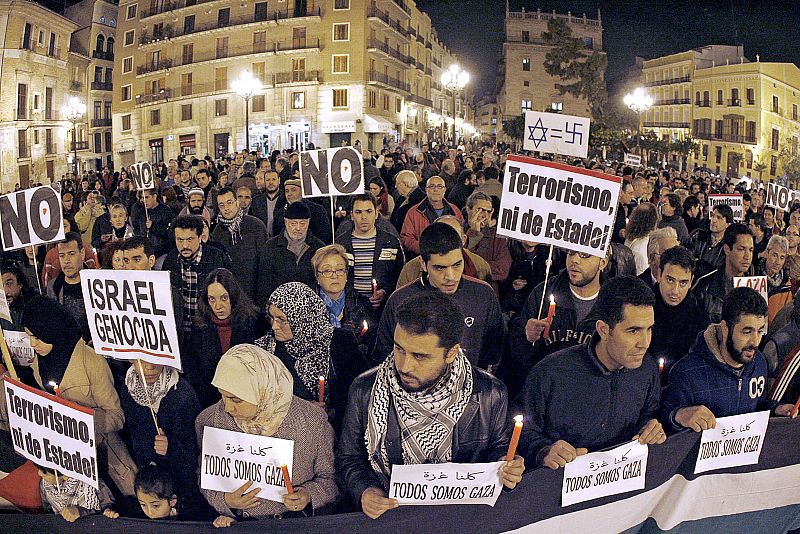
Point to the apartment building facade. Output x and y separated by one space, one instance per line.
332 72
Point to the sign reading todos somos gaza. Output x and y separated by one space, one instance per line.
331 172
52 432
30 217
130 315
559 205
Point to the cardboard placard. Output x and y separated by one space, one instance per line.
736 202
142 175
19 345
332 171
131 316
554 133
555 204
31 217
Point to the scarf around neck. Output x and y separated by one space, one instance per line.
167 380
296 246
426 418
71 492
335 307
233 225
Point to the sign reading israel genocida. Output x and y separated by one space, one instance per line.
559 205
52 432
130 315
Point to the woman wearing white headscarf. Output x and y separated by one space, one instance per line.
257 399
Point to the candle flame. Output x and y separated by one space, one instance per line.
552 299
53 384
518 418
661 362
366 326
322 378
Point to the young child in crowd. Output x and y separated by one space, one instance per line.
70 498
154 490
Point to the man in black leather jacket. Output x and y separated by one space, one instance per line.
424 404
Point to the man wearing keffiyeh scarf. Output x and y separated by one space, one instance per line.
233 225
424 404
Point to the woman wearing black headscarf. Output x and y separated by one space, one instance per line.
311 348
83 377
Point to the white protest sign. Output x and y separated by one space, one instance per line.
52 432
5 311
142 175
30 217
449 483
231 459
130 315
778 196
736 202
599 474
736 440
559 205
554 133
633 160
19 345
332 171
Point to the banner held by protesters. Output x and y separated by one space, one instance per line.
130 315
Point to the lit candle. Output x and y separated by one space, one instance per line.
364 328
287 480
56 390
661 366
322 390
374 287
512 446
796 408
551 312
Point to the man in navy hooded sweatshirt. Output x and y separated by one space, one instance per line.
724 373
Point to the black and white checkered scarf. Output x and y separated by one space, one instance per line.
167 380
234 226
71 492
427 418
190 289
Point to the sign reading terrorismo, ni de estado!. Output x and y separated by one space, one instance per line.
52 432
448 483
736 202
735 440
231 459
559 205
130 315
554 133
599 474
331 172
31 217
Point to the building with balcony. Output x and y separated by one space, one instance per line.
92 46
34 84
486 118
332 71
668 80
522 82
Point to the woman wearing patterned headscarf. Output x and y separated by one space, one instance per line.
257 399
310 347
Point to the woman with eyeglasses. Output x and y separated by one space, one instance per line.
311 348
225 317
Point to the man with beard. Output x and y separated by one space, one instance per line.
424 404
272 202
575 291
190 262
66 287
196 205
18 293
724 373
710 290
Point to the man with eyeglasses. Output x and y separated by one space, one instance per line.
287 256
243 236
575 291
425 213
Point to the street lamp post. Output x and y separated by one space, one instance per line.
454 79
638 102
246 86
73 110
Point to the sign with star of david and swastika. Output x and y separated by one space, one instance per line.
554 133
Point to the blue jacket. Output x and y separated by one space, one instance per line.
701 379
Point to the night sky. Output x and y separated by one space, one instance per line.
473 29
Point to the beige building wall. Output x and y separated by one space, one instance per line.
333 71
34 84
523 83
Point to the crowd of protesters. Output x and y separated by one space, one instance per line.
423 321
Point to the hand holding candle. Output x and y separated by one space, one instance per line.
374 287
795 408
512 446
286 479
364 328
322 390
55 387
551 312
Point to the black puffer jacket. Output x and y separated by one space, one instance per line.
481 434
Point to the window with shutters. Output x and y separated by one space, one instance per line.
186 112
341 63
186 84
155 117
259 103
187 54
340 98
126 122
220 78
259 42
341 32
127 65
221 107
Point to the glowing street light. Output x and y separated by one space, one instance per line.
454 79
638 102
246 85
73 110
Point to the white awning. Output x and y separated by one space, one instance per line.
374 124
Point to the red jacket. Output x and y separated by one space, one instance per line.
420 217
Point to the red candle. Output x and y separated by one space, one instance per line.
287 480
512 446
322 389
55 387
796 408
374 286
364 328
551 312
